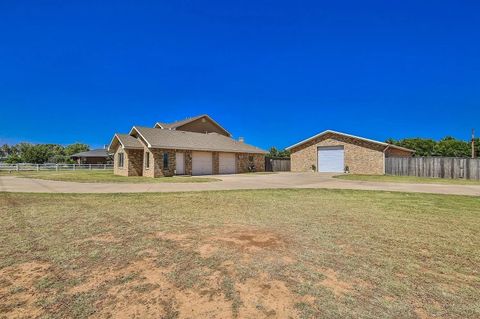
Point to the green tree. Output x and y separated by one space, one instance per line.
274 152
76 148
421 146
452 147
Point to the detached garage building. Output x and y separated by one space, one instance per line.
196 146
335 152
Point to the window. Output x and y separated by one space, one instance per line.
147 160
165 160
250 158
121 159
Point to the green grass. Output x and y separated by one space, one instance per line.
268 253
407 179
104 176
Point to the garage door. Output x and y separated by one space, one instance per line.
226 163
331 159
202 163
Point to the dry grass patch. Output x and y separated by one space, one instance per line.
240 254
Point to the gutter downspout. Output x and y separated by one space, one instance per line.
384 166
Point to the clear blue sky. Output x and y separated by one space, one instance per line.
275 72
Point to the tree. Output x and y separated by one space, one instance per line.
40 153
421 146
452 147
76 148
274 152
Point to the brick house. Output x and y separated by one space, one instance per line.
332 151
195 146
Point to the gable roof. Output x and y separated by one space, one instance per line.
174 125
126 141
387 145
172 139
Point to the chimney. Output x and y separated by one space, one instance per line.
241 139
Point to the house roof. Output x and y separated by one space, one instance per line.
172 139
93 153
127 141
174 125
351 136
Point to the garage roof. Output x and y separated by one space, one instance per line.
350 136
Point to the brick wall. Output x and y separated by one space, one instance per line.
188 162
134 162
360 156
215 163
395 152
132 165
156 168
244 160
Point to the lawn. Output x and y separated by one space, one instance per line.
104 176
245 254
408 179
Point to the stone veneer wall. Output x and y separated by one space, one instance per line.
132 163
361 157
216 163
156 163
243 162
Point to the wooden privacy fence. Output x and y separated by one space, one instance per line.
439 167
277 164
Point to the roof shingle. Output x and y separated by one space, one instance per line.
172 139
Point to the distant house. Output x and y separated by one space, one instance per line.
336 152
98 156
195 146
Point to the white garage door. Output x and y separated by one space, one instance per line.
226 163
180 163
331 159
202 163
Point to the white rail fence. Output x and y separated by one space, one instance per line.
54 167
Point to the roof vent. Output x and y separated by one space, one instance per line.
241 139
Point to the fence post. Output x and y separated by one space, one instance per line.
56 167
38 167
73 166
17 168
104 166
90 166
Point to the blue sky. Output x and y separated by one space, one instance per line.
275 72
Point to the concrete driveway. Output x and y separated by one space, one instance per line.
230 182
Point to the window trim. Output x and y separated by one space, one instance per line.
147 160
121 160
165 161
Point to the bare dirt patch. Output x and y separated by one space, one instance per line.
250 240
144 289
18 295
338 287
267 298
